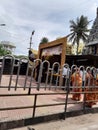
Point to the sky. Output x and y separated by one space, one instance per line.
49 18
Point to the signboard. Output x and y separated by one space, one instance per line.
53 50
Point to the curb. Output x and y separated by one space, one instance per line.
42 119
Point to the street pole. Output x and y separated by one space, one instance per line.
31 38
30 53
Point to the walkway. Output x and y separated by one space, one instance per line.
16 101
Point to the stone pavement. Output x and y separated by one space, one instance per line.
16 101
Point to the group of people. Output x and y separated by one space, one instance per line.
82 79
87 81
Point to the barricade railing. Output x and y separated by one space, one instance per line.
88 86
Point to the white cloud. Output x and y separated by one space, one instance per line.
48 18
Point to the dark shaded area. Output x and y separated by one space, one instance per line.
30 128
85 60
8 67
53 58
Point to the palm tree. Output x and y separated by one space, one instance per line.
44 40
79 30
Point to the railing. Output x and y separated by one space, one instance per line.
48 73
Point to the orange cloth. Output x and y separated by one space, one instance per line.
77 85
90 88
96 84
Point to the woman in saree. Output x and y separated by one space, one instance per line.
90 96
76 80
96 85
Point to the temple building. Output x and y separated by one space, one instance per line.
92 44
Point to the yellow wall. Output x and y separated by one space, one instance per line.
60 41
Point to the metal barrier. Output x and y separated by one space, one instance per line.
56 70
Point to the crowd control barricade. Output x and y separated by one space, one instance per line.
25 84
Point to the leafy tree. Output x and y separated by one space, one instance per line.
4 51
79 30
44 40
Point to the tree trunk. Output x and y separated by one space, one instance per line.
77 45
77 49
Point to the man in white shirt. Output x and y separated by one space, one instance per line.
65 75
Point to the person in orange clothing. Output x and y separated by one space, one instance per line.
76 80
90 82
96 85
96 82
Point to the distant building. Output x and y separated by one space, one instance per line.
8 45
80 48
69 49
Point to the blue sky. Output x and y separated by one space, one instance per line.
49 18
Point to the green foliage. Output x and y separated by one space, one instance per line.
3 51
79 30
44 40
20 56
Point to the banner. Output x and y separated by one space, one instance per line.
53 50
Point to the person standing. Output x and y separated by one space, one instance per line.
83 74
31 56
89 97
65 75
76 80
